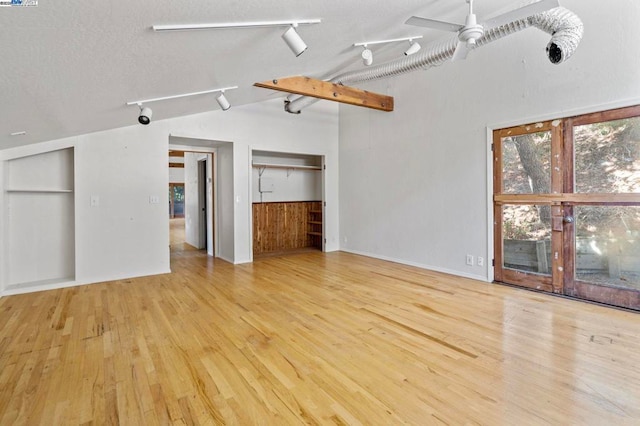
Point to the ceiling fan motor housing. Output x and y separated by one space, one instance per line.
471 30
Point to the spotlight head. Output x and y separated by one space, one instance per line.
294 41
414 47
367 56
223 102
145 115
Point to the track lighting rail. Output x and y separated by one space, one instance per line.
391 40
205 26
163 98
146 113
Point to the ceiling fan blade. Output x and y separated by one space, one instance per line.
521 13
432 23
461 51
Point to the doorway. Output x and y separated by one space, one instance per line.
192 199
567 206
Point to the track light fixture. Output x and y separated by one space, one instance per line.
294 41
145 115
414 47
145 112
367 55
223 102
291 36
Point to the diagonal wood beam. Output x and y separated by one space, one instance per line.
332 92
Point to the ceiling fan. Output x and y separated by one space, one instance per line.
472 31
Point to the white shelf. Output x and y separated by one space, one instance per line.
286 166
41 190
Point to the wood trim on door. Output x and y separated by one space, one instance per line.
521 278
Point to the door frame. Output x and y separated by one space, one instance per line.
212 246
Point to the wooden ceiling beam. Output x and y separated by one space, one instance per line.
307 86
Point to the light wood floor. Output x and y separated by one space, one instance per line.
313 339
176 233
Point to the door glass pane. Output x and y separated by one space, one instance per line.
178 200
608 245
526 163
607 157
527 238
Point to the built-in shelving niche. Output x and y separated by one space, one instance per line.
287 202
40 220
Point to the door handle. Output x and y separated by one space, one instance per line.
568 219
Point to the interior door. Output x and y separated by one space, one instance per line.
202 202
567 206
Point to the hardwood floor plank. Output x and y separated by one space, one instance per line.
313 338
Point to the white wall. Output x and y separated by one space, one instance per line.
413 183
126 235
176 175
288 185
225 202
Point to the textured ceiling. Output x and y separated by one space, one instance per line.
68 67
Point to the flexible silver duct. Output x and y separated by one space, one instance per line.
565 27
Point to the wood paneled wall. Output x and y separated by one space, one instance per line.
282 226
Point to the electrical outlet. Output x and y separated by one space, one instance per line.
480 261
470 259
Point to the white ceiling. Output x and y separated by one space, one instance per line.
68 67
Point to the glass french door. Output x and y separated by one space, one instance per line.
567 206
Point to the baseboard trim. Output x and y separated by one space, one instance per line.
58 284
418 265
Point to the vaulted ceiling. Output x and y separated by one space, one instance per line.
68 67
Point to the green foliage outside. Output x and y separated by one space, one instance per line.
607 160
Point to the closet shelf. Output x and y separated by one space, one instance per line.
41 190
285 166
